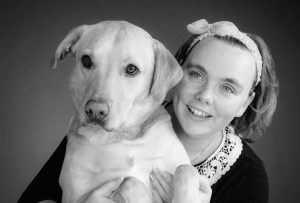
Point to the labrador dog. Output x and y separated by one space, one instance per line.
119 128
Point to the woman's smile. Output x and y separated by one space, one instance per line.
198 113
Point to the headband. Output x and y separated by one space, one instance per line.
225 28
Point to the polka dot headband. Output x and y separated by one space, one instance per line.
225 28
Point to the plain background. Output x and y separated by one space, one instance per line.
36 104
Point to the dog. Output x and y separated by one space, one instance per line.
119 128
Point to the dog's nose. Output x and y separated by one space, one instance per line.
96 111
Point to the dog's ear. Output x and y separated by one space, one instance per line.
68 45
167 72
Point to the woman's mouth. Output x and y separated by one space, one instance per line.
198 113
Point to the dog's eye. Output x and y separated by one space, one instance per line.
86 61
131 70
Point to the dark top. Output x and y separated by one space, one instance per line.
245 182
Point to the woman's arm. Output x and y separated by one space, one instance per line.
45 185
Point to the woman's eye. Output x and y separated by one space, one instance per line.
131 70
196 75
228 89
86 61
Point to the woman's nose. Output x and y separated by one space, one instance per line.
205 95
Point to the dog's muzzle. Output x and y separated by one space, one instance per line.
96 111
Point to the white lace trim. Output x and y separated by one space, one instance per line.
223 158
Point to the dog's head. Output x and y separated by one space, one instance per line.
122 74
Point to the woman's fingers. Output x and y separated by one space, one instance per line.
156 196
162 183
157 186
132 190
190 187
102 193
107 188
164 179
204 185
168 177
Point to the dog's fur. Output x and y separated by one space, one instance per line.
135 134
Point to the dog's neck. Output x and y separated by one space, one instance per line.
132 133
157 116
135 132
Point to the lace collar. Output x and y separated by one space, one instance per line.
223 158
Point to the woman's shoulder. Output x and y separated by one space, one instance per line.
243 156
250 167
250 159
246 181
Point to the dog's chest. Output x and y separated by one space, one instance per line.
107 161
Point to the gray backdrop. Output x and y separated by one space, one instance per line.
36 104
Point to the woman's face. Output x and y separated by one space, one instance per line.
215 87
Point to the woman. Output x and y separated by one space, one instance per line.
227 97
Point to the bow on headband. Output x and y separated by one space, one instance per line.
225 28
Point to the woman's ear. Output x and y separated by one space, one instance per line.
246 104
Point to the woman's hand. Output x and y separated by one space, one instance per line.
129 190
132 191
185 186
189 186
102 194
162 184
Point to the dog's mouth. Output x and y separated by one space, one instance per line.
95 122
